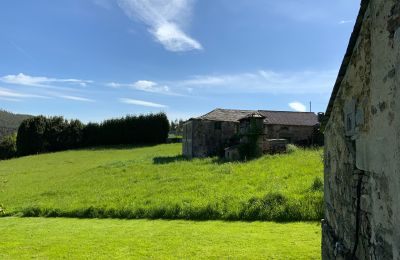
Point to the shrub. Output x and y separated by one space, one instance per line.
2 210
8 147
317 185
291 148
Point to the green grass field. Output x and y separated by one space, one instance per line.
156 182
58 238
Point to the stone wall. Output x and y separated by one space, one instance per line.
362 139
204 138
294 134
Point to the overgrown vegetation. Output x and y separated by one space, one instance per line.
58 238
143 129
9 122
48 134
250 149
8 146
156 182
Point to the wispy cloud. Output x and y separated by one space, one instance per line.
140 103
263 81
297 106
75 98
7 93
346 21
26 80
145 85
166 20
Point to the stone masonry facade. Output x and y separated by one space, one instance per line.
362 142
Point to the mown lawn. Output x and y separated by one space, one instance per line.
59 238
156 182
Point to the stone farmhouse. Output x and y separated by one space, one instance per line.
212 133
362 141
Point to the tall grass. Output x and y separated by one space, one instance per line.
157 183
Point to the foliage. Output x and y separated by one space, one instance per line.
9 122
48 134
156 182
291 148
8 147
143 129
317 136
2 210
45 134
317 185
31 136
250 149
176 127
156 239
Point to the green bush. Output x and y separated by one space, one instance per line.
317 185
8 147
2 210
291 148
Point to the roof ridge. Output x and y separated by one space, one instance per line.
283 111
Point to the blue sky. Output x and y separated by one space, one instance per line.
96 59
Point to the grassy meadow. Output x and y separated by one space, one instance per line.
155 182
60 238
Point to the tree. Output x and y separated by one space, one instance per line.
8 146
30 137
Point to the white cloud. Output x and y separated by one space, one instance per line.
264 81
145 85
140 103
166 19
26 80
150 86
297 106
207 80
11 99
113 85
7 93
75 98
346 21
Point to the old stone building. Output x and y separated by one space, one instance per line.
210 134
362 139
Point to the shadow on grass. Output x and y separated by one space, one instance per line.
116 147
169 159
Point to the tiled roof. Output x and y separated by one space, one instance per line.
226 115
289 118
271 117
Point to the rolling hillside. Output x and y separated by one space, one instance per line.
10 122
164 195
156 182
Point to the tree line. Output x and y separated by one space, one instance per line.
42 134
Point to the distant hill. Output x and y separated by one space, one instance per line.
10 122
